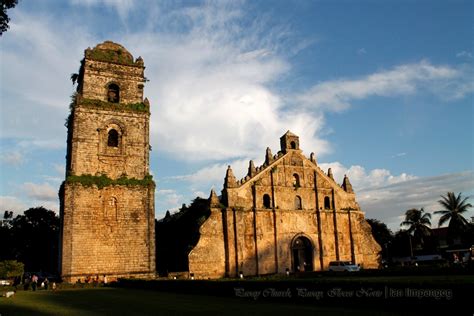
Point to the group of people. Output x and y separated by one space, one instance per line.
33 282
93 280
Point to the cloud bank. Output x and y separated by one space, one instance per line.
215 90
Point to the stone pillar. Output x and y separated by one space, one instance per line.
275 235
336 237
318 217
254 203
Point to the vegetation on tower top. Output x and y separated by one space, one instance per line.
103 105
102 181
118 56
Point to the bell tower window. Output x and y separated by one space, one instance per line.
113 138
113 93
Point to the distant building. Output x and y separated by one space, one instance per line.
286 215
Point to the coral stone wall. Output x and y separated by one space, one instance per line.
256 236
107 227
90 153
108 231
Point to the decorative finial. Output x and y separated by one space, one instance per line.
346 185
229 181
252 170
312 157
214 199
330 173
268 156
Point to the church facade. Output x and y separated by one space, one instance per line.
107 200
286 215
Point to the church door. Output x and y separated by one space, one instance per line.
302 252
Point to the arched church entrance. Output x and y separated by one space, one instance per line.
302 252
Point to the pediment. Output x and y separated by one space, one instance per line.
293 161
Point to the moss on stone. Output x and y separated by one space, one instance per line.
102 181
103 105
115 56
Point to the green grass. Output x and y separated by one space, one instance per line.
186 296
116 301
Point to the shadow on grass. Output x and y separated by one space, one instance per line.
114 301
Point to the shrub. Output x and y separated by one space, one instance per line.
11 268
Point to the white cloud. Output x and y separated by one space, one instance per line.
169 198
46 144
361 179
19 205
35 48
201 194
464 54
212 176
213 87
383 201
59 168
399 155
13 158
406 79
213 95
41 192
210 87
48 178
123 7
361 51
11 203
210 81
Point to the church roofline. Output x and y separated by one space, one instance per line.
260 171
289 133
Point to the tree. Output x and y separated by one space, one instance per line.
454 207
11 268
4 18
400 244
177 234
34 240
418 223
7 217
382 234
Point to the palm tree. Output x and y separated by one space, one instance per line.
454 207
418 223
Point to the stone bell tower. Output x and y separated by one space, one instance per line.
107 199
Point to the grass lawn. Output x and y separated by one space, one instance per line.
185 297
117 301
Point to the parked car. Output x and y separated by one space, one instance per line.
5 282
341 266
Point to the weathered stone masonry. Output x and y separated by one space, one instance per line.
284 215
107 200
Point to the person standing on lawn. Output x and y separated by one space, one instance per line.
34 282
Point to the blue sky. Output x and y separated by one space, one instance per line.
381 91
